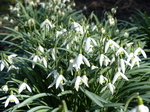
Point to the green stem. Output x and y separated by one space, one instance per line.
129 100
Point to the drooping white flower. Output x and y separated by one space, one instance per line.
46 25
122 65
126 34
12 67
110 86
10 58
58 33
119 74
103 30
53 72
36 58
44 61
12 99
103 58
23 86
31 22
111 21
88 46
85 80
77 27
53 53
80 59
140 51
102 79
58 81
121 51
3 63
79 80
5 88
140 108
112 44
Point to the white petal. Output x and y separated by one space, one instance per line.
77 83
28 87
86 61
58 81
7 102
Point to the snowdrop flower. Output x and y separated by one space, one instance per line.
12 99
134 60
111 21
5 88
59 82
53 53
6 18
78 81
43 59
88 46
122 65
126 34
102 79
119 74
41 49
80 59
12 67
77 27
58 33
139 51
10 58
103 58
46 25
110 86
36 58
53 72
103 30
31 22
3 63
85 80
141 107
121 51
113 10
111 44
94 28
23 86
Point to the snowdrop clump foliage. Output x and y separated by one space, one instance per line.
69 62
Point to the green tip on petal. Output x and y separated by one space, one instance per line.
25 80
84 72
140 101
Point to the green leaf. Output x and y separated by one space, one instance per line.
93 97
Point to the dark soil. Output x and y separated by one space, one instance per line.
126 8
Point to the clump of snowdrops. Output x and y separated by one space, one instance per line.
55 59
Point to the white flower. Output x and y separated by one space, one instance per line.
35 59
111 21
44 61
10 57
102 79
121 51
6 18
102 58
126 34
117 75
5 88
23 86
46 25
59 82
12 67
3 63
113 10
53 72
140 108
111 44
110 86
77 27
31 22
103 30
88 46
122 65
80 59
79 80
139 51
60 32
85 80
11 98
53 53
